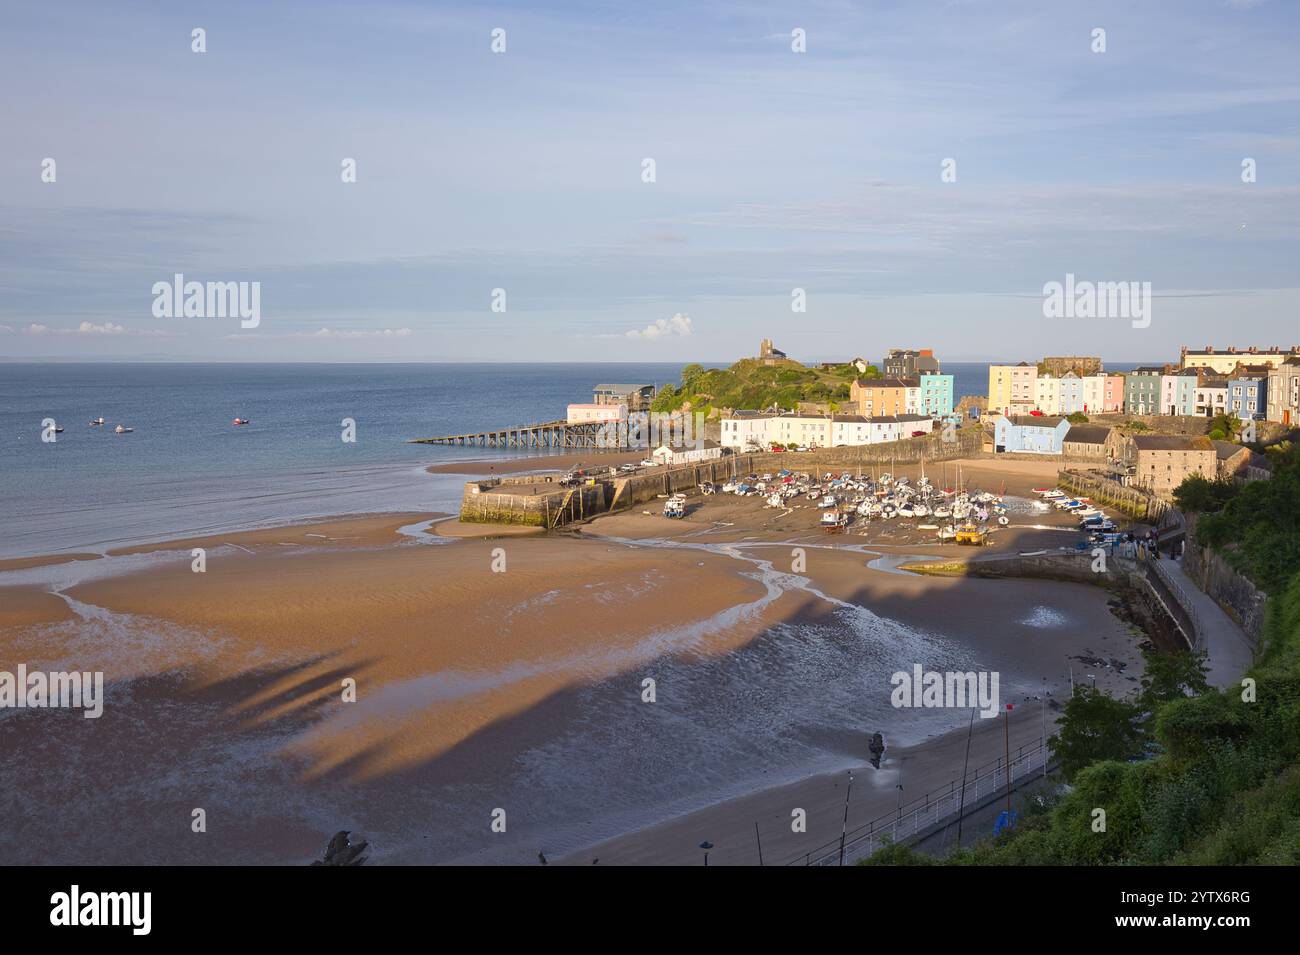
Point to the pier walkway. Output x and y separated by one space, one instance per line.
548 434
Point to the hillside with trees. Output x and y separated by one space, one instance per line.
753 385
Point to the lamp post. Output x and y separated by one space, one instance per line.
1006 724
844 831
706 846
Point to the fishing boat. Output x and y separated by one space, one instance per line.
833 521
121 430
96 421
675 506
947 533
971 535
239 421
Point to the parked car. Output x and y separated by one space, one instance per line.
647 463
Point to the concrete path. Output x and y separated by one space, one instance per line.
1230 653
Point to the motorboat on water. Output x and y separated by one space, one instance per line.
239 421
122 430
96 421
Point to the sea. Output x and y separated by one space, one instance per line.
186 470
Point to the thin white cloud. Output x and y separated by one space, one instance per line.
108 328
377 333
678 325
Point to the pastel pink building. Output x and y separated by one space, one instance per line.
1113 398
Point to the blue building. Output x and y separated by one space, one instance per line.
1183 399
936 394
1071 394
1035 434
1248 398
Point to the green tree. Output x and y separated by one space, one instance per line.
1228 426
1077 417
1200 495
1172 676
1096 727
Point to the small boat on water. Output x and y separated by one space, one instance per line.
96 421
122 430
239 421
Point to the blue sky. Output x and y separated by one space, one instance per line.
522 171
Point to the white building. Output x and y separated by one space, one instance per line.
914 403
687 455
596 414
746 431
1047 394
749 431
1094 394
1212 397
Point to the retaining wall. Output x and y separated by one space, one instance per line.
1132 501
1240 599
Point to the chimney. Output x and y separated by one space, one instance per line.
1209 349
1254 349
1232 349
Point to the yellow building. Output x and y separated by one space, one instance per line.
1012 388
1226 361
880 396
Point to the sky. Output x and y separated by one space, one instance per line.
524 171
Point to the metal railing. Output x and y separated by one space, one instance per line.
1183 608
932 808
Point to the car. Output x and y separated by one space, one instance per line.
647 463
627 467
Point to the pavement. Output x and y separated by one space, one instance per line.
1230 653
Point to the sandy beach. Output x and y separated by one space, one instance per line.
494 672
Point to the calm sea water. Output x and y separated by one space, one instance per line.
187 470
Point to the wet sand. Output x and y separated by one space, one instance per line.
483 685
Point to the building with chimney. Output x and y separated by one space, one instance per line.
1226 361
909 363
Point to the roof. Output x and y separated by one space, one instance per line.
882 383
623 388
1171 442
851 418
1148 370
1087 434
747 413
1226 449
1036 421
898 418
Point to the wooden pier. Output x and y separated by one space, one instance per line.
550 434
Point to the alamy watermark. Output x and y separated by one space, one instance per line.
1072 299
946 690
654 429
59 688
182 299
